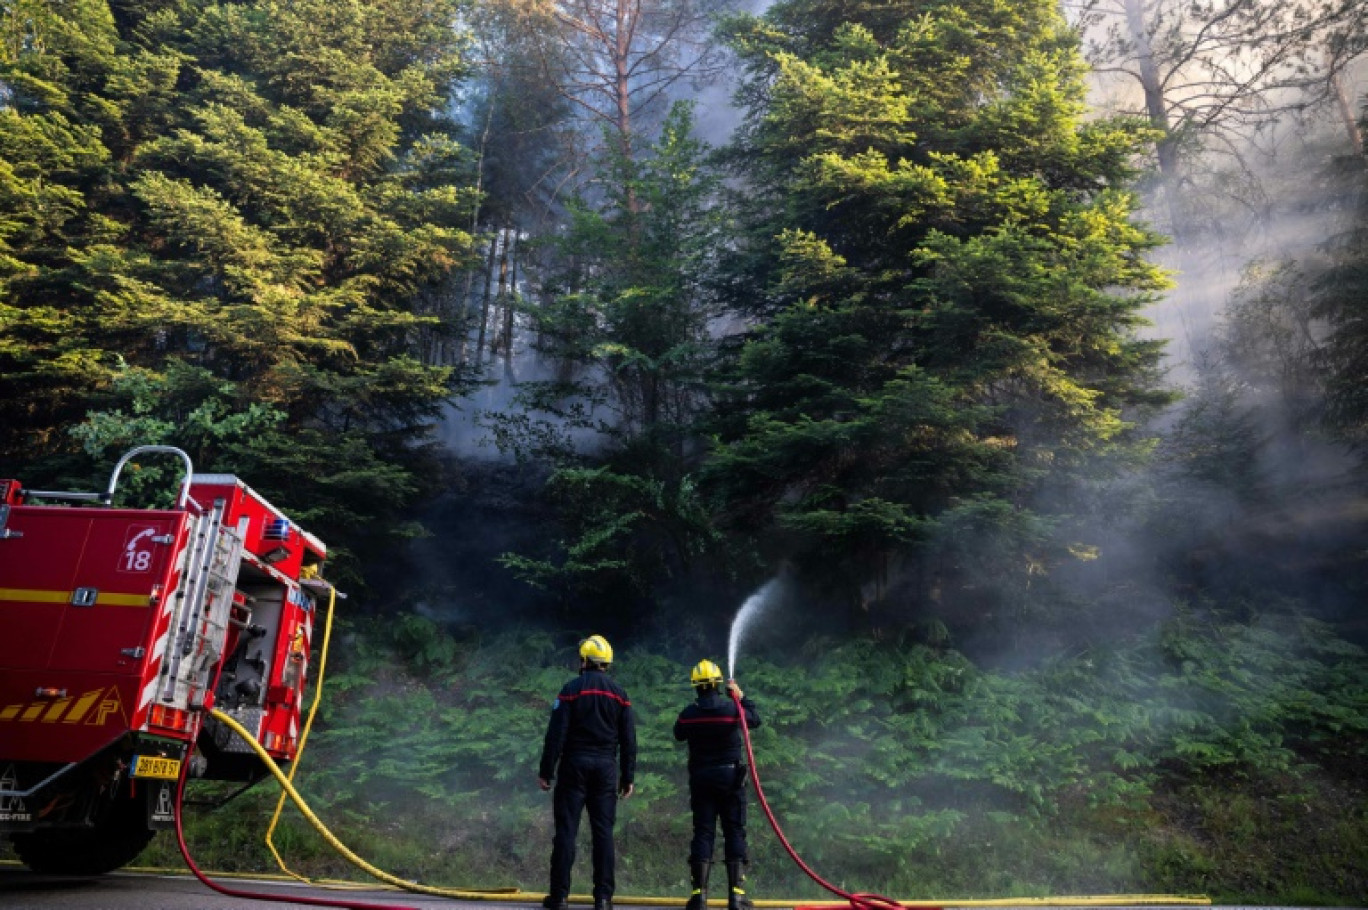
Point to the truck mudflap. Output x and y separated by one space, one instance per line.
156 776
15 814
36 795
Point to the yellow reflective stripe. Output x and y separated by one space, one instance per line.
35 596
56 710
47 596
124 600
82 706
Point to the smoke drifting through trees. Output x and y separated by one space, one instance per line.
1242 95
1217 80
1256 176
1249 100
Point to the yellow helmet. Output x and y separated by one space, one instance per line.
596 649
705 673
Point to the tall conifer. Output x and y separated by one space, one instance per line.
945 281
259 189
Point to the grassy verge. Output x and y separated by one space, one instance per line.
1225 760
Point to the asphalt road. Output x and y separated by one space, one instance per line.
23 890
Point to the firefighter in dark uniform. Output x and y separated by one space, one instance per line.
717 781
590 752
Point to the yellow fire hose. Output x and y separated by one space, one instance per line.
310 572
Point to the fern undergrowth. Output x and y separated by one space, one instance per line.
1220 759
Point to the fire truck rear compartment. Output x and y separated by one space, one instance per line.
245 682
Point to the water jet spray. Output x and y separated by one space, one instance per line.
745 618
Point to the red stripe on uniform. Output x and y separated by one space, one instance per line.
604 692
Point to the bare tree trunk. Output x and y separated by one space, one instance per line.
484 305
511 302
626 13
1346 110
501 298
1157 110
652 394
467 303
467 314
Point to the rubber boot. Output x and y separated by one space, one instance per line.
736 877
699 870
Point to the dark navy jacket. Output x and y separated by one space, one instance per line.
592 717
712 728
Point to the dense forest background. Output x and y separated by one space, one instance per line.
1017 351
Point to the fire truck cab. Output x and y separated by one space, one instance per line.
122 627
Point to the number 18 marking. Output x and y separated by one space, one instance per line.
133 559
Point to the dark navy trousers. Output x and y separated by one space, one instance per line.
718 794
585 782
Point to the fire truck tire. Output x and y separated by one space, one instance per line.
114 842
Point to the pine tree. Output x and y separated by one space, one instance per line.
628 306
1214 79
262 190
940 257
72 98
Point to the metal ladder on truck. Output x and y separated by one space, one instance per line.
199 625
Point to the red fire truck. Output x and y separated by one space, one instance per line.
119 629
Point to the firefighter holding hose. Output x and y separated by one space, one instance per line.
717 780
590 752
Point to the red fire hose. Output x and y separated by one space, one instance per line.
858 901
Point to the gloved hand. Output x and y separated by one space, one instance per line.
734 689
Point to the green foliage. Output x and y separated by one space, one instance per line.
945 280
627 303
340 485
627 295
223 227
897 768
1338 299
186 405
234 208
620 525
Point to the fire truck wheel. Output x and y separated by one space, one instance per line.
114 842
